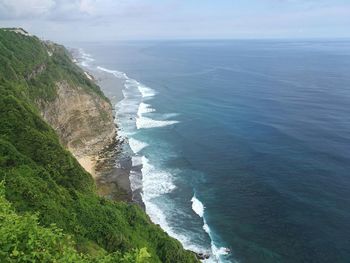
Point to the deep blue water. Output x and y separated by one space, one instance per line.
258 131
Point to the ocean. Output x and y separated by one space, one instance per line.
240 148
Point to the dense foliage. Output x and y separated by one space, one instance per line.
43 178
22 239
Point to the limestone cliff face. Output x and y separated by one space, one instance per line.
67 97
83 120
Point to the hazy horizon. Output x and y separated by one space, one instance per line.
107 20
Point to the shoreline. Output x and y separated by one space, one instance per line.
112 174
104 79
119 174
114 181
111 167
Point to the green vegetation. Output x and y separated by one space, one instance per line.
22 239
46 185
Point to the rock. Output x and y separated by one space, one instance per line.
202 256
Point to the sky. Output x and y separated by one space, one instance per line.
95 20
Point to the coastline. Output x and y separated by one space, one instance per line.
121 175
114 180
112 174
111 167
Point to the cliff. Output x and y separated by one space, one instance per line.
82 119
50 113
83 122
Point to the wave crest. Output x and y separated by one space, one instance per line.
144 108
116 73
146 92
147 123
197 206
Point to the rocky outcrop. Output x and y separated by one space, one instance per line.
83 120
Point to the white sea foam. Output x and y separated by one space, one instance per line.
158 217
144 108
197 206
127 105
219 251
147 123
118 74
106 70
155 182
86 58
131 83
146 92
136 145
206 227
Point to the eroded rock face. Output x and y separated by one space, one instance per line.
83 120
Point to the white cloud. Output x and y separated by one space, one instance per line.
25 8
47 9
133 19
80 9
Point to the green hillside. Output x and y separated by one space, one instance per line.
44 183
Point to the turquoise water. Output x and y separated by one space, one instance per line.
242 145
